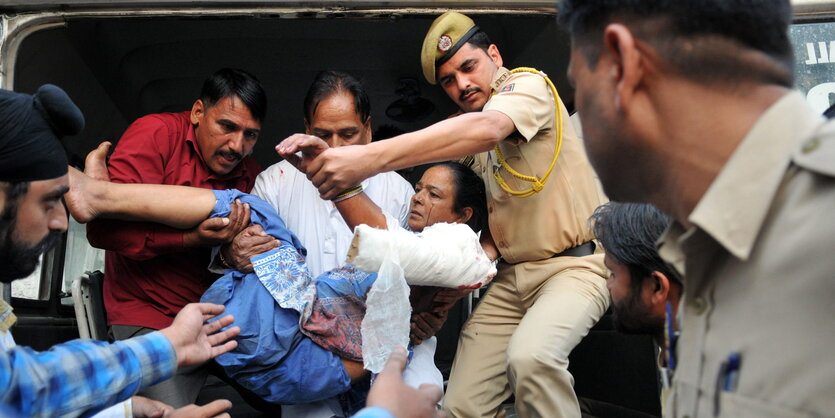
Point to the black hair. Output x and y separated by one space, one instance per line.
231 82
328 83
469 193
628 232
480 40
700 38
14 194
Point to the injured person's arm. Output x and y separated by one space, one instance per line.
92 195
175 206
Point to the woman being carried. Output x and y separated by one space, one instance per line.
447 193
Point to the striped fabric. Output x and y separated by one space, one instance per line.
81 377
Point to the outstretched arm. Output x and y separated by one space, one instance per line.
128 365
92 195
337 169
132 201
176 206
356 209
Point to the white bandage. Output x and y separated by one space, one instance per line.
445 255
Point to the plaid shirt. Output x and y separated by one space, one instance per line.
81 377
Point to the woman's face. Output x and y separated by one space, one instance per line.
434 200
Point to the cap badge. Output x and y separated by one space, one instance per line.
444 43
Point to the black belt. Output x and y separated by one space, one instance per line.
581 250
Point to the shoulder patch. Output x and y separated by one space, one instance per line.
507 88
818 152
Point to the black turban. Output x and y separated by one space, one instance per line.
30 130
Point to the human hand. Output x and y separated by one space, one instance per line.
425 325
403 401
195 341
446 298
310 146
81 199
210 410
248 243
338 169
143 407
216 231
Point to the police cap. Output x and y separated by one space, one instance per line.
446 35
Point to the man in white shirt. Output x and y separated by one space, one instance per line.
336 109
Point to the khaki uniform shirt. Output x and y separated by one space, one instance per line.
759 268
556 218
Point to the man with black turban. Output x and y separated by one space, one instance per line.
31 154
81 376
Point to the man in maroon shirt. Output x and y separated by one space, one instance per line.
152 271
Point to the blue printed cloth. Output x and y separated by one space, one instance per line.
274 357
81 377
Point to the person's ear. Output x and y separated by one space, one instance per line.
626 60
660 288
368 132
465 216
307 127
197 111
495 55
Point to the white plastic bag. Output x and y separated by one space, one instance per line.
387 314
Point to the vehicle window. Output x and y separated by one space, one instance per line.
80 257
814 53
29 287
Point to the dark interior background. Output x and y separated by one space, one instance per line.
118 69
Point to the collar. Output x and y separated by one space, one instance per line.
670 248
502 74
735 205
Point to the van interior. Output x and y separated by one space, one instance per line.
119 65
120 69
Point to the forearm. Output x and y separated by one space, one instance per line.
467 134
175 206
360 210
130 365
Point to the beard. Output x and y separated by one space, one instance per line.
19 259
631 316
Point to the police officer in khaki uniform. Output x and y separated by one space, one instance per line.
550 289
716 137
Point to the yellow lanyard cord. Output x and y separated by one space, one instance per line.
538 183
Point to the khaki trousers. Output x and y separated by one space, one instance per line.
518 339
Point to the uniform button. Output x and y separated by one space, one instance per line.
699 305
810 145
490 208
